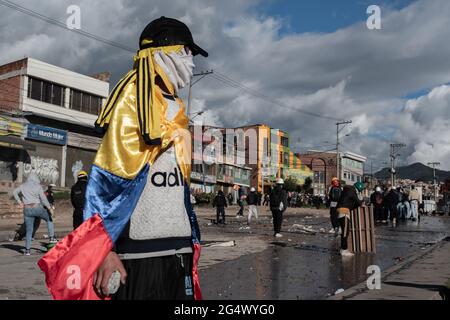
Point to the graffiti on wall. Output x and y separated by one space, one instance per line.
77 167
46 169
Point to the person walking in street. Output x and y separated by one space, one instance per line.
140 228
77 197
31 198
278 204
376 199
266 199
334 195
252 201
391 200
22 231
220 203
347 202
414 199
240 202
230 199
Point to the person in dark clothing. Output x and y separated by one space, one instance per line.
391 200
266 199
77 197
252 201
259 198
240 202
377 201
278 204
220 203
333 198
347 202
230 199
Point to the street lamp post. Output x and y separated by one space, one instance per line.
191 84
434 165
338 174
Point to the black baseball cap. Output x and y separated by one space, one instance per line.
168 32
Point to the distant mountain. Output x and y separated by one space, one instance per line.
416 171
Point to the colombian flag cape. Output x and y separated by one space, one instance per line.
136 131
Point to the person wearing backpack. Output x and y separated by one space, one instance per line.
278 204
376 199
333 197
77 197
348 201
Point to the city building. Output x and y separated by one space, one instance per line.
251 156
323 165
47 121
211 170
352 167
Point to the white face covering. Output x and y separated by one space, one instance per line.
178 67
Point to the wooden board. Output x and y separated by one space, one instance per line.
362 231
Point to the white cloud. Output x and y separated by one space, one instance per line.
353 73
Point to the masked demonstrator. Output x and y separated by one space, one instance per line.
138 218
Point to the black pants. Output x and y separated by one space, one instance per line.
393 211
345 231
21 232
241 208
334 218
220 214
277 220
77 218
159 278
379 213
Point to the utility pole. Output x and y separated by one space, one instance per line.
393 155
201 74
344 123
434 165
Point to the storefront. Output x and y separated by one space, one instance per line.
47 159
13 151
81 151
197 185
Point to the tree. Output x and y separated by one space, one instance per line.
290 184
307 186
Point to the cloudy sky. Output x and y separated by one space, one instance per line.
297 57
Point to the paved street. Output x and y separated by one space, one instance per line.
304 264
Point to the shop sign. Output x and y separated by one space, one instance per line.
46 134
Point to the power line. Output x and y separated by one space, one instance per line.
234 84
62 25
218 76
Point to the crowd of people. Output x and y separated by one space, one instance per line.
395 204
277 199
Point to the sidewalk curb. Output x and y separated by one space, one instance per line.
362 287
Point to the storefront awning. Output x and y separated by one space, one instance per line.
16 143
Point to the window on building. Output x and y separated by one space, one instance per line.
45 91
353 177
286 158
345 175
85 102
265 147
285 142
197 168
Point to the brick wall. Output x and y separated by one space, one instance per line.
10 93
10 87
13 66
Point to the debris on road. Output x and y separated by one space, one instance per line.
338 291
302 228
231 243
